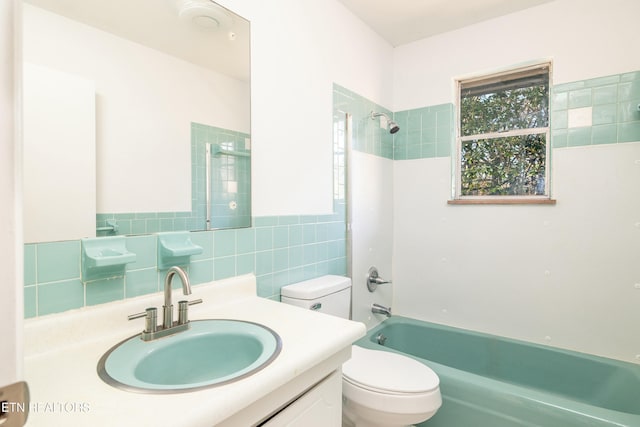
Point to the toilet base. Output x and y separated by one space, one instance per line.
356 415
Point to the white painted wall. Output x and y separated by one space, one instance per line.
584 38
298 50
562 275
145 103
11 297
371 191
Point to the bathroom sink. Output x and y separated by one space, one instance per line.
210 353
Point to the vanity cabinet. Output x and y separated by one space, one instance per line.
302 387
320 406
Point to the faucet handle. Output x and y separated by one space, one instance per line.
183 316
374 279
151 317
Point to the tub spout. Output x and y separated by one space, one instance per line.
380 309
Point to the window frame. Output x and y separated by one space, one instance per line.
457 197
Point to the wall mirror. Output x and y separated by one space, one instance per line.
126 105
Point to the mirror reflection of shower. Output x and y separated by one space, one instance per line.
391 125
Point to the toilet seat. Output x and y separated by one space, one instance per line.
381 388
388 373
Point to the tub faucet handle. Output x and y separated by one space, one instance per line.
374 279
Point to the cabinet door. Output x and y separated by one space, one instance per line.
321 406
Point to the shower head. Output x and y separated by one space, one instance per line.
391 125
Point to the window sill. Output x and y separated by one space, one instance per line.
501 201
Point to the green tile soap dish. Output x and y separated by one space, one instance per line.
105 257
176 248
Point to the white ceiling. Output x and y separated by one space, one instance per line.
403 21
156 24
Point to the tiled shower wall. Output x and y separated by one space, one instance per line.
367 135
611 103
424 132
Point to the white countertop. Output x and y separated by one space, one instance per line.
62 352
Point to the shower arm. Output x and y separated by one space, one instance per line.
374 115
391 125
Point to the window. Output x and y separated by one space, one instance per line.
503 136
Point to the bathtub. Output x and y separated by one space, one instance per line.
489 381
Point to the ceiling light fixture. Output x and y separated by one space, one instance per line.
204 14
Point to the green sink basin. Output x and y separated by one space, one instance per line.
210 353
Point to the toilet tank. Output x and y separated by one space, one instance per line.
327 294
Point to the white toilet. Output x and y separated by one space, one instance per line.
379 388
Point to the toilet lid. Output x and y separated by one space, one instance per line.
388 372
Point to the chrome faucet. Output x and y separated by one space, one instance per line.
167 308
169 327
380 309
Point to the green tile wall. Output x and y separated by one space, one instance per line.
280 250
225 169
614 102
430 131
424 132
367 135
153 222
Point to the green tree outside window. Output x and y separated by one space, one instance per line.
504 124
